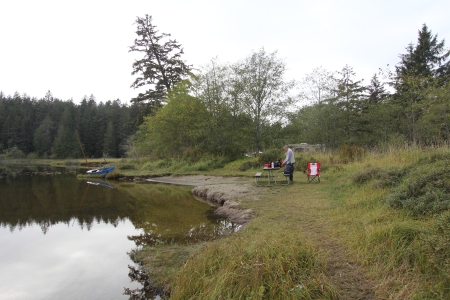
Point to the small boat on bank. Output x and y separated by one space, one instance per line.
101 171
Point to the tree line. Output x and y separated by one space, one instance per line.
249 106
48 127
228 109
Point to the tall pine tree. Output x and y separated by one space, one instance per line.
161 66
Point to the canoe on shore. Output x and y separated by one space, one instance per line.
100 171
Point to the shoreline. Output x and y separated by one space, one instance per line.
223 192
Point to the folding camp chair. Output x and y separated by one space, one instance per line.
312 171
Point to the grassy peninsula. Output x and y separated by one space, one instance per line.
376 227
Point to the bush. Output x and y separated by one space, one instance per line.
425 192
383 178
271 155
366 175
389 178
32 155
301 161
247 165
14 152
439 256
349 154
192 154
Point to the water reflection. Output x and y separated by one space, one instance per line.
79 223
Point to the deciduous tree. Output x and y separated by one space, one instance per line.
265 91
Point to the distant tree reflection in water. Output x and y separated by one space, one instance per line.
45 197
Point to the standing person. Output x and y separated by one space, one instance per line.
289 162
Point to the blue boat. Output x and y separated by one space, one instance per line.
101 171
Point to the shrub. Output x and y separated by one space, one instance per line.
300 163
219 162
32 155
425 192
383 178
351 153
366 175
439 256
271 155
247 165
192 154
14 152
390 178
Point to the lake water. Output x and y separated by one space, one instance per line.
68 238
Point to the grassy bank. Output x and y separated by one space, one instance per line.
377 226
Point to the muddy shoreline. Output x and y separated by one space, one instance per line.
224 192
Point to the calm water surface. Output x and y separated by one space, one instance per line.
68 238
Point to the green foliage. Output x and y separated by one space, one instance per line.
425 191
438 248
177 129
250 164
14 152
428 57
271 155
228 127
208 163
301 162
263 92
349 154
382 177
109 143
191 154
161 66
65 144
42 139
33 125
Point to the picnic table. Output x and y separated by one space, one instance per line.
271 177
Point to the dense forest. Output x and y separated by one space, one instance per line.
236 108
48 127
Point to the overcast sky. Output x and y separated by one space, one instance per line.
78 48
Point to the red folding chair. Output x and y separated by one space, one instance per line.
312 171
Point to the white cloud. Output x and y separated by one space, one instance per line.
81 48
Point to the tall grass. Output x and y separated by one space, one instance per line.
287 251
399 245
254 265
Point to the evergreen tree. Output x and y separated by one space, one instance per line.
42 139
376 91
110 147
428 58
348 98
65 144
417 71
161 66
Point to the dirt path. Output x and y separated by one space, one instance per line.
348 277
341 270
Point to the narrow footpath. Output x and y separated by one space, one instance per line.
341 270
